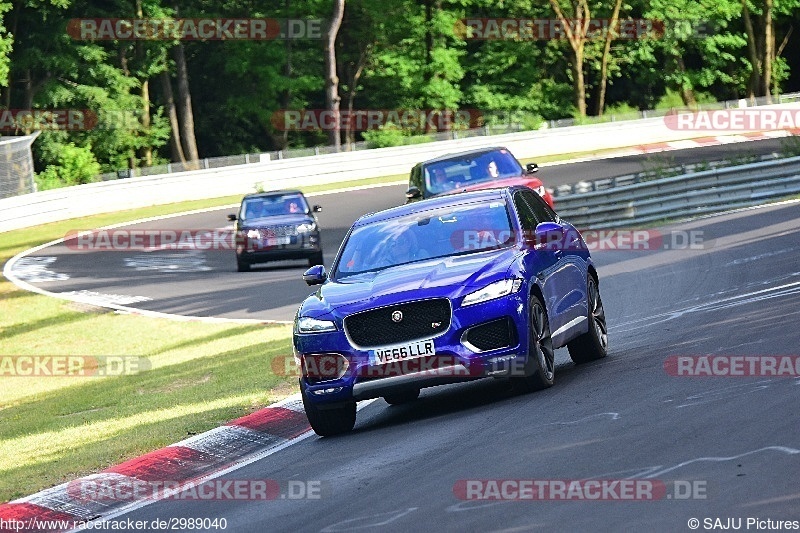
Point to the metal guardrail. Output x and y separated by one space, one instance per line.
686 195
455 134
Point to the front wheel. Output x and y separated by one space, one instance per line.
328 422
593 344
540 365
242 266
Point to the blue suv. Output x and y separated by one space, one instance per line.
459 287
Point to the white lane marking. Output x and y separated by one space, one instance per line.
370 521
190 261
10 274
743 260
724 393
92 297
720 459
35 270
714 305
609 416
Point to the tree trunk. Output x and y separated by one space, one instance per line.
768 51
145 152
185 112
752 52
287 94
601 97
332 99
352 87
687 92
576 41
175 148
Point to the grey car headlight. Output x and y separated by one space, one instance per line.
306 227
312 325
494 290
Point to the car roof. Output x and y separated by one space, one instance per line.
267 194
462 198
476 152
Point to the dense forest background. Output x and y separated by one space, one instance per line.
184 100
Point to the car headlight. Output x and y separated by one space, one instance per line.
494 290
253 234
312 325
306 227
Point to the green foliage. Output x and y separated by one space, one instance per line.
391 55
392 135
74 165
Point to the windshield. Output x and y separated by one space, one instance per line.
436 233
270 206
452 174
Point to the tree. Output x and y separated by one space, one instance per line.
332 99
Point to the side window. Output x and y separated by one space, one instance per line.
541 210
527 218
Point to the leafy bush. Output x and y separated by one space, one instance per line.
75 165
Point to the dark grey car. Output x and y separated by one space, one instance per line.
276 225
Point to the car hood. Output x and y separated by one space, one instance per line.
527 181
450 277
281 220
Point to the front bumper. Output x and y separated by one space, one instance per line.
456 359
300 246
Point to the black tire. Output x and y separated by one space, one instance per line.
402 397
316 259
329 422
593 344
241 266
540 365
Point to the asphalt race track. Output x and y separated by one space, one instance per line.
720 447
734 440
205 283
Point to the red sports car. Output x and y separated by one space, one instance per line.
468 171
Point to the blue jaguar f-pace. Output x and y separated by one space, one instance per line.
472 285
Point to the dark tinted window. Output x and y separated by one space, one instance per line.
527 217
540 208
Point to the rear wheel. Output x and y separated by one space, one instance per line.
593 344
328 422
540 366
402 397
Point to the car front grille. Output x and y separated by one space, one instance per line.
278 231
420 319
491 335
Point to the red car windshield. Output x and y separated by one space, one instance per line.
444 176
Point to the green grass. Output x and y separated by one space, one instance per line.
53 429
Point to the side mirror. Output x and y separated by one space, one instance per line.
549 236
531 168
317 209
315 275
232 217
413 192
